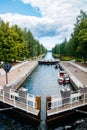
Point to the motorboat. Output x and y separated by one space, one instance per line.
63 77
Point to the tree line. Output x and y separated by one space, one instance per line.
77 44
18 44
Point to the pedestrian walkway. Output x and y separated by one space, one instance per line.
78 71
17 72
79 66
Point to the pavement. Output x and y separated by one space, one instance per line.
78 71
84 69
16 72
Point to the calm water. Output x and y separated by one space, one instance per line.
43 82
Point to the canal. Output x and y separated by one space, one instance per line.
42 82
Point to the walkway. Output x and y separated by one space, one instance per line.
78 71
17 72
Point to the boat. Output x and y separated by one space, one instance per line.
63 77
66 76
56 66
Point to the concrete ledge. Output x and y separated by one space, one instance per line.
84 69
73 79
17 83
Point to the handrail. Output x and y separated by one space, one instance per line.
15 100
63 104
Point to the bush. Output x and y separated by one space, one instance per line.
0 65
78 60
66 58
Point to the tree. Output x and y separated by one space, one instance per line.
17 44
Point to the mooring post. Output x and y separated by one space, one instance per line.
38 105
3 97
38 101
48 104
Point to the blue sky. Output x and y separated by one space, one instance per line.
50 21
16 6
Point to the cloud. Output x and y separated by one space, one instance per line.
56 22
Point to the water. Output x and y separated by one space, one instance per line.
42 82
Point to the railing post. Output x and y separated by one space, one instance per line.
71 102
14 102
48 106
84 99
10 94
34 102
27 102
3 97
57 106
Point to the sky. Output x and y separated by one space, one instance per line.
50 21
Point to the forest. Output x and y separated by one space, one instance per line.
76 47
17 44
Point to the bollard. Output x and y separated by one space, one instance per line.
48 105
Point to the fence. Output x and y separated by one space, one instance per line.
59 104
23 101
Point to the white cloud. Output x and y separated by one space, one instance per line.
56 23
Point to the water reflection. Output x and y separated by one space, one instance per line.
49 56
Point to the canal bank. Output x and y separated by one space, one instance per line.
18 74
13 96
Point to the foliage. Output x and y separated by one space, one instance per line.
17 44
66 58
77 45
78 60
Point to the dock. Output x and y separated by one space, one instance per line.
48 62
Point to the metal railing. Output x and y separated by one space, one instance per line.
58 105
12 98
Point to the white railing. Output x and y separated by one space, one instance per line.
12 98
58 105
